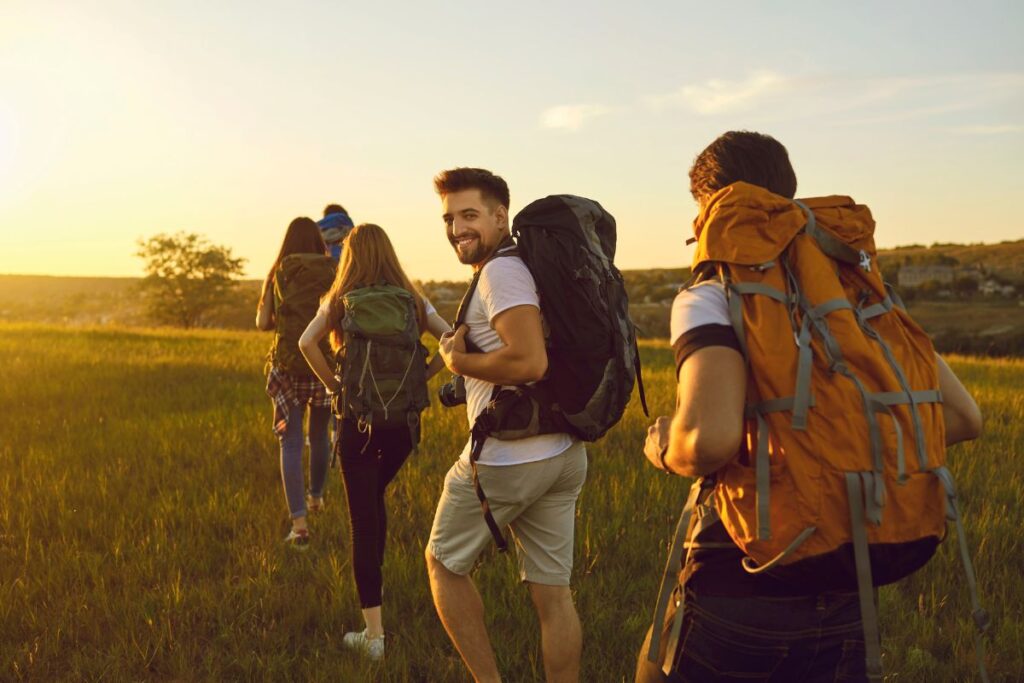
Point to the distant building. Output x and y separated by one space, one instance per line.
991 287
915 276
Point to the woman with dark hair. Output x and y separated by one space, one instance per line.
301 274
370 454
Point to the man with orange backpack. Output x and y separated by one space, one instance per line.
816 415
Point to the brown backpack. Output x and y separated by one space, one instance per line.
842 473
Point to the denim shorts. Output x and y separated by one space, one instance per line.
809 638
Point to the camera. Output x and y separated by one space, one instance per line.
453 393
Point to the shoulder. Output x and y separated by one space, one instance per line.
703 304
505 283
505 270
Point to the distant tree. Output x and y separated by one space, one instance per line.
187 278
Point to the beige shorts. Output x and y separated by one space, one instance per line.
537 499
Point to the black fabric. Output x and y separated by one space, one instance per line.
568 243
699 337
717 571
367 474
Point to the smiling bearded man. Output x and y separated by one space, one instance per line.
533 483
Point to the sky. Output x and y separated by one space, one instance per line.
122 120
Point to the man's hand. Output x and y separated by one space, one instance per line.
657 441
451 345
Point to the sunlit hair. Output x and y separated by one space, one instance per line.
367 258
492 188
302 237
754 158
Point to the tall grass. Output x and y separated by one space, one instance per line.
141 518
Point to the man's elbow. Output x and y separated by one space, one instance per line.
536 370
706 452
973 422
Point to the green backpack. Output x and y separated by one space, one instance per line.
299 282
382 364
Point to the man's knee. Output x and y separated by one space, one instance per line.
550 600
435 568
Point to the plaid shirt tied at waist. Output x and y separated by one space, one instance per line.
287 391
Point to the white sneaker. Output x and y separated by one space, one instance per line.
371 647
314 504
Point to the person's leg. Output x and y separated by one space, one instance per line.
292 445
560 631
457 537
545 531
394 447
461 611
319 449
359 471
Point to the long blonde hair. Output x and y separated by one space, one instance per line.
367 258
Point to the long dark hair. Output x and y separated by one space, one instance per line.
302 237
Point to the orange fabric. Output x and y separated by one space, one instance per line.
742 226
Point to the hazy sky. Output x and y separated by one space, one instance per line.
120 120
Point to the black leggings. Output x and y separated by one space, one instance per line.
367 474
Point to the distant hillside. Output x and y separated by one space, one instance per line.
976 326
1005 259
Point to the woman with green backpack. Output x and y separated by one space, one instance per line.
374 317
301 274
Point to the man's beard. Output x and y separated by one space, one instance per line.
477 253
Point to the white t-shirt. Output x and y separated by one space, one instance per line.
700 318
504 283
704 304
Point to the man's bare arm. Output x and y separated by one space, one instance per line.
522 359
707 428
959 411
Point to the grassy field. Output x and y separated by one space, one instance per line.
141 516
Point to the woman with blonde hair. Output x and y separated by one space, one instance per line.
374 317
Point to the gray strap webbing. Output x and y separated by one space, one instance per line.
896 299
874 431
762 289
830 244
978 613
915 416
830 306
895 398
772 405
875 310
901 458
670 577
865 586
805 360
736 317
751 568
762 462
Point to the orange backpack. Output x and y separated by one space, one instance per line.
843 471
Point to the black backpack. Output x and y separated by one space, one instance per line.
568 243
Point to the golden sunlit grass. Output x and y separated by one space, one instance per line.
141 517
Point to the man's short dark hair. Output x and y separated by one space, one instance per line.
745 156
492 187
334 208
